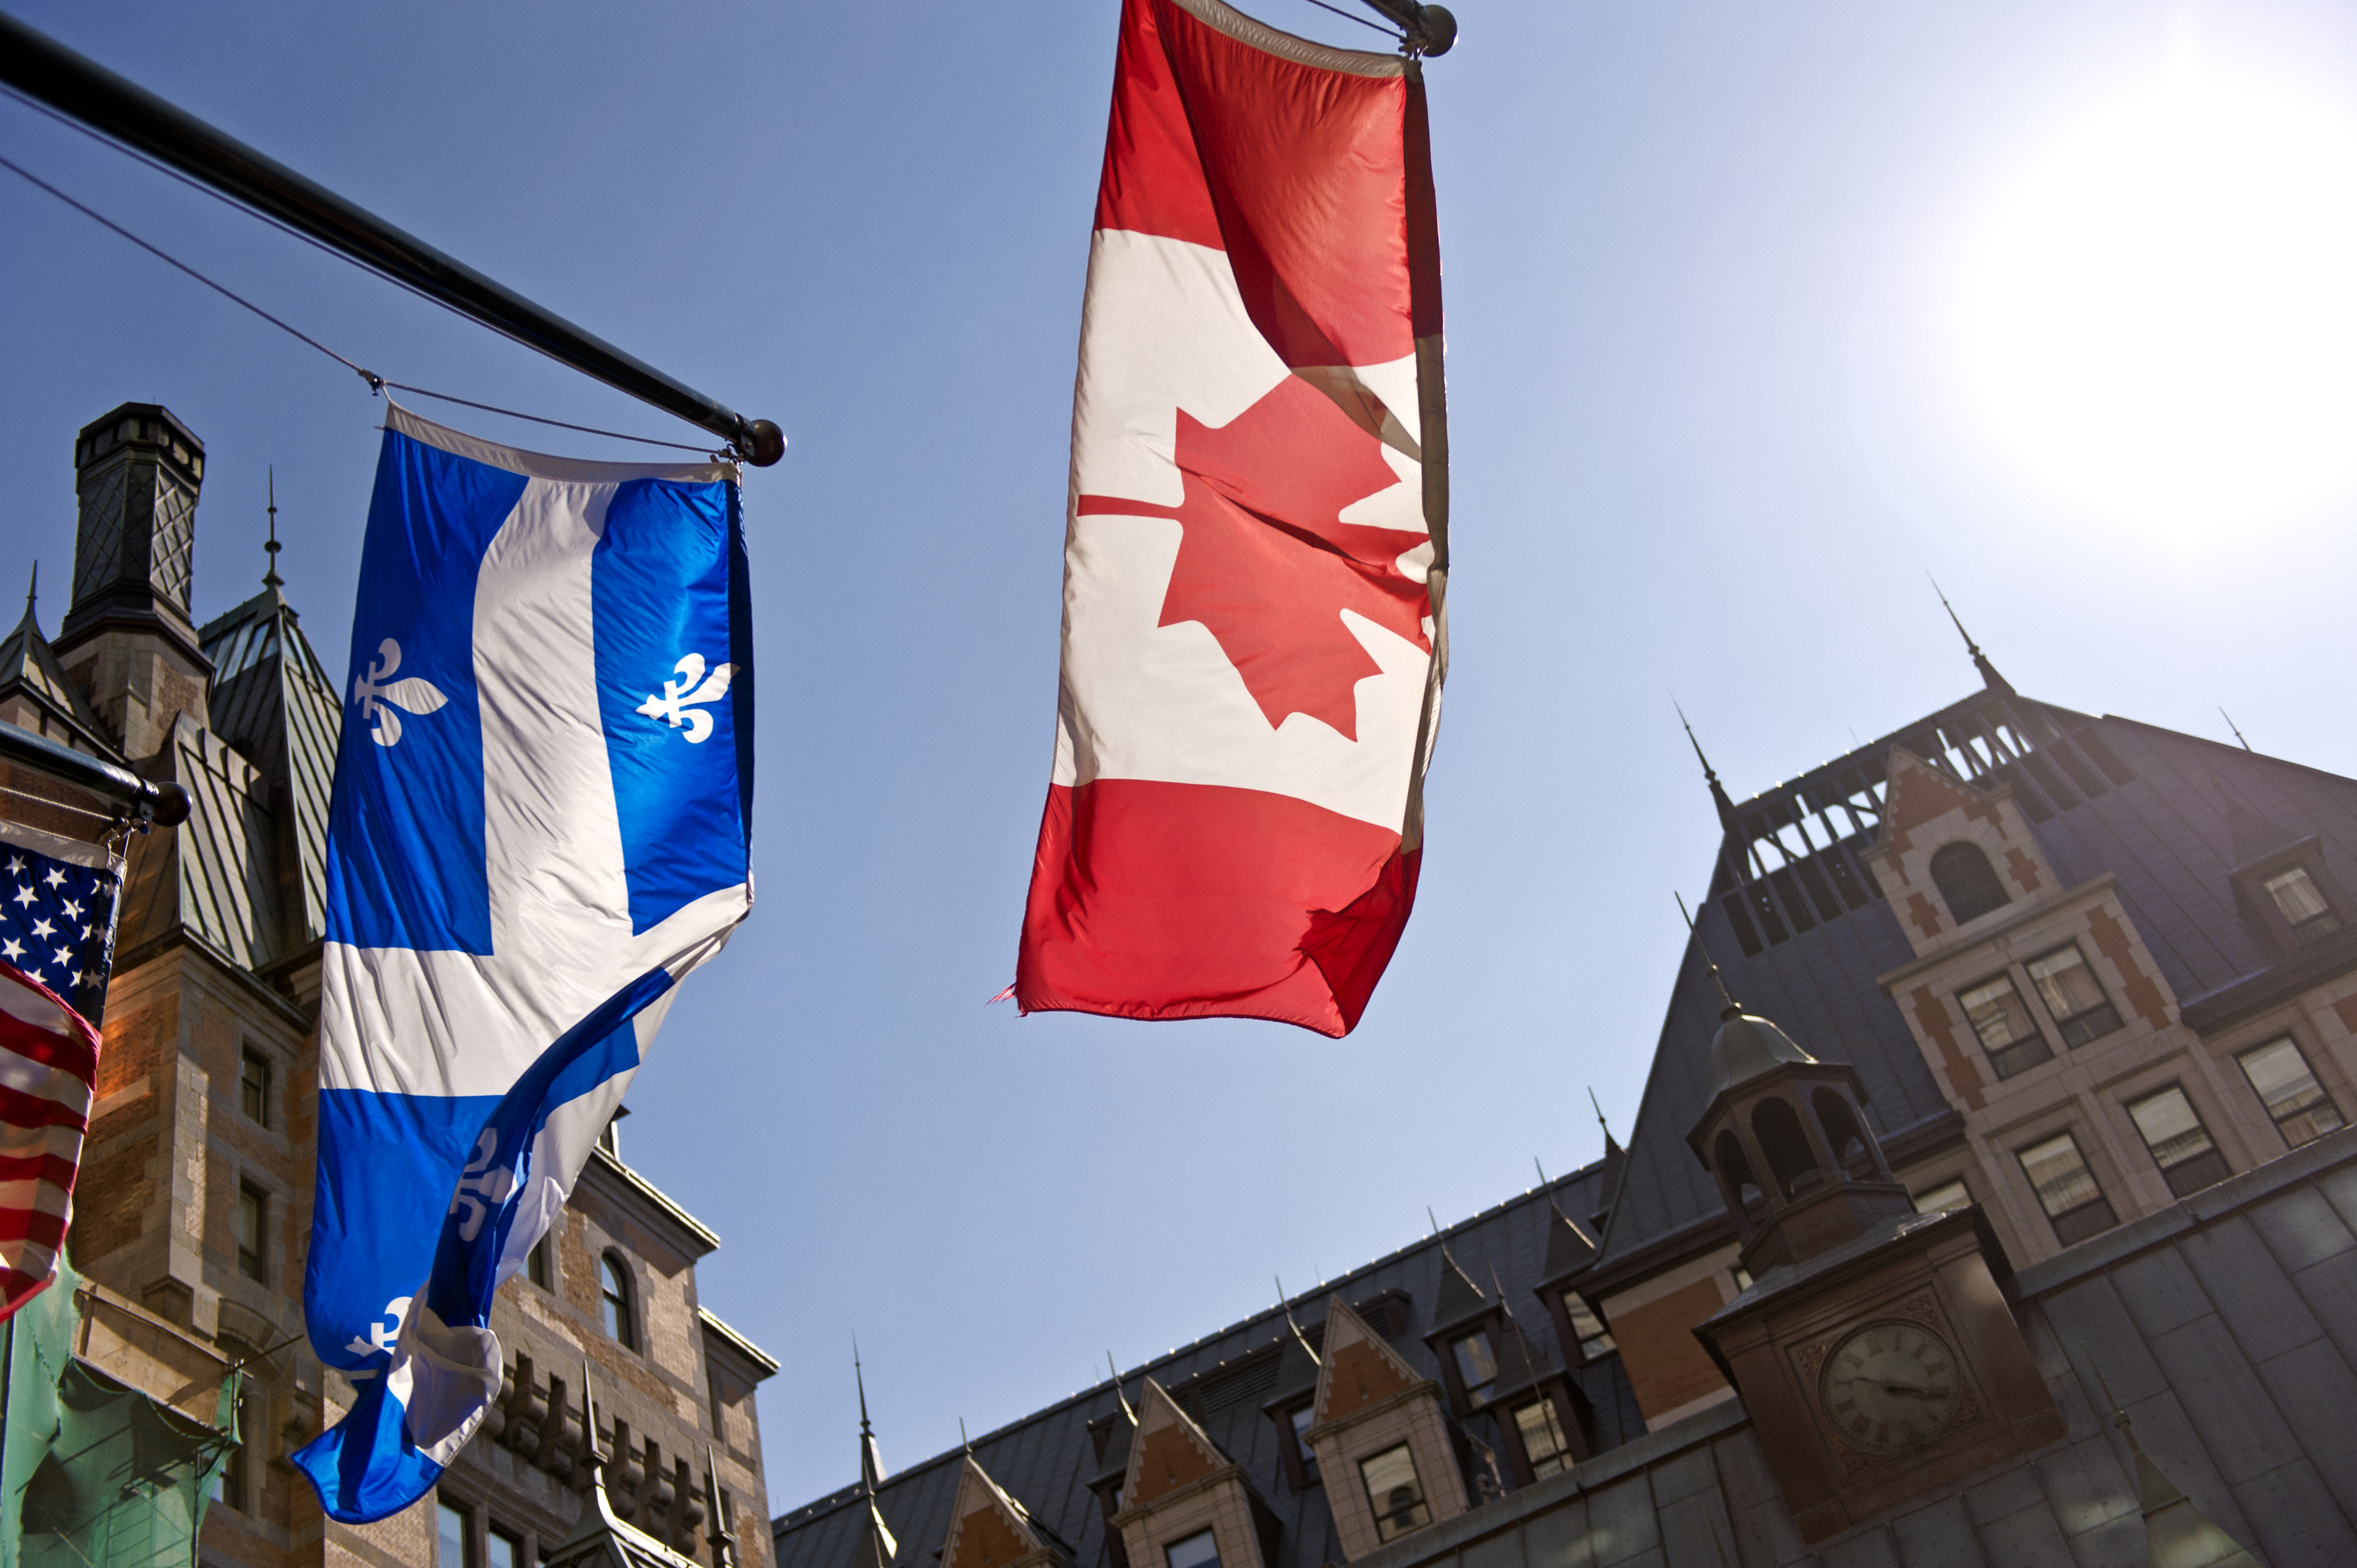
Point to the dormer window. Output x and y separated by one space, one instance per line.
2296 1103
1967 882
2001 1019
1396 1493
1198 1550
1300 1419
1543 1444
1589 1329
1477 1367
2073 997
2302 906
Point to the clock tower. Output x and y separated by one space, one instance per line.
1875 1348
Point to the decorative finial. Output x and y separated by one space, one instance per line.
871 1457
1539 1168
269 578
1728 1006
33 594
1428 1215
1112 1367
1994 682
1717 790
2221 707
1611 1146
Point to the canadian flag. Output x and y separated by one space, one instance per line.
1256 538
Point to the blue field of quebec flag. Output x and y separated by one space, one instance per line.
540 826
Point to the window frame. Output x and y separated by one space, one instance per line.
2001 1059
1564 1458
1997 881
2066 1233
615 1275
2064 1026
253 1262
1208 1533
2308 928
2307 1064
2215 1156
1575 1307
1474 1395
1423 1501
445 1509
2259 906
254 1099
537 1268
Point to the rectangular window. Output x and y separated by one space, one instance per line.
254 1087
2300 904
2002 1020
505 1550
1198 1550
1543 1441
2301 1109
1594 1339
252 1210
453 1537
2181 1145
2074 997
1395 1494
1300 1418
719 1404
535 1263
2066 1189
1477 1365
1947 1195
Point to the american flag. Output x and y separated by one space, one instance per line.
48 1060
57 944
57 913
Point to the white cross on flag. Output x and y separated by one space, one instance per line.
1256 543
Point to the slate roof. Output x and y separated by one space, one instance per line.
246 874
1800 930
29 670
1225 1380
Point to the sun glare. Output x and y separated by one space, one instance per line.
2162 318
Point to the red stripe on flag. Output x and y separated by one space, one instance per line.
1154 900
30 1232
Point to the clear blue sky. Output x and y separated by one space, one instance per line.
1705 264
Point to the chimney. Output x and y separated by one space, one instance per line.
127 638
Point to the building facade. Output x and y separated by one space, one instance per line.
194 1201
1990 1201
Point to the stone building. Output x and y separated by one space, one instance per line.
194 1202
1990 1201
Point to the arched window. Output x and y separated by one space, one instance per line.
1967 881
614 1288
1736 1179
1792 1163
1842 1135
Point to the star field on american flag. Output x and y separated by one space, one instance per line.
56 922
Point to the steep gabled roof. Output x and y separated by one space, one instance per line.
1169 1451
1227 1382
1800 928
29 671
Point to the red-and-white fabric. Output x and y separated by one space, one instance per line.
48 1060
1256 544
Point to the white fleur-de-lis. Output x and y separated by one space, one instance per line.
480 1189
383 1330
378 698
676 705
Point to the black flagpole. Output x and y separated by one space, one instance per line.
41 67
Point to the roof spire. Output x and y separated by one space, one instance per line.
722 1540
871 1456
33 594
2221 707
1994 682
1717 790
269 578
1728 1006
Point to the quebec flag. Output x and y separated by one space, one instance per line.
539 827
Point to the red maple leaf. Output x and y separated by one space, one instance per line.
1266 564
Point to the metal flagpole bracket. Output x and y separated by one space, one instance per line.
1426 30
163 805
41 67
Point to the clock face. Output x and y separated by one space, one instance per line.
1890 1387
